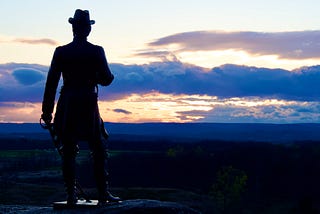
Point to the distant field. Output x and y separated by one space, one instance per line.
183 132
25 153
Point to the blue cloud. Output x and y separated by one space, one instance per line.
28 76
176 78
23 85
224 81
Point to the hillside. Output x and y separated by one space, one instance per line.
161 162
275 133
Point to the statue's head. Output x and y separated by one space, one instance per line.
81 23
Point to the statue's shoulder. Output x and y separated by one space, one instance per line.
63 47
91 45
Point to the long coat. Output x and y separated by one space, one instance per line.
83 66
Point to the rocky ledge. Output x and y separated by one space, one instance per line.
125 207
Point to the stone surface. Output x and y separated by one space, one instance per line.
125 207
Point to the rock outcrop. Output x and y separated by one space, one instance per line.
125 207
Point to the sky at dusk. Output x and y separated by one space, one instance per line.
173 61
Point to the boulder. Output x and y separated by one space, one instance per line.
125 207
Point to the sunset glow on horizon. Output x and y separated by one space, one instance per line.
157 107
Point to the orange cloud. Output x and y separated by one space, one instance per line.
45 41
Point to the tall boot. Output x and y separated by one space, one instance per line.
68 171
101 176
105 195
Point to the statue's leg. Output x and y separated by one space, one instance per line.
99 155
70 150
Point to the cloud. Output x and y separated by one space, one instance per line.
30 41
227 81
157 107
27 76
224 81
22 82
18 112
286 45
162 55
45 41
284 113
117 110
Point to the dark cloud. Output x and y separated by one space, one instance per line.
288 45
175 78
288 113
224 81
7 105
22 82
36 41
27 76
118 110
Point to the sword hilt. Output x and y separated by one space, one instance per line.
44 125
56 142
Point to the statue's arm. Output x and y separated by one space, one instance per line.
51 84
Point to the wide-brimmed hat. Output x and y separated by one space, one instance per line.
81 17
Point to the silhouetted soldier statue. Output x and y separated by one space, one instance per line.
83 66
